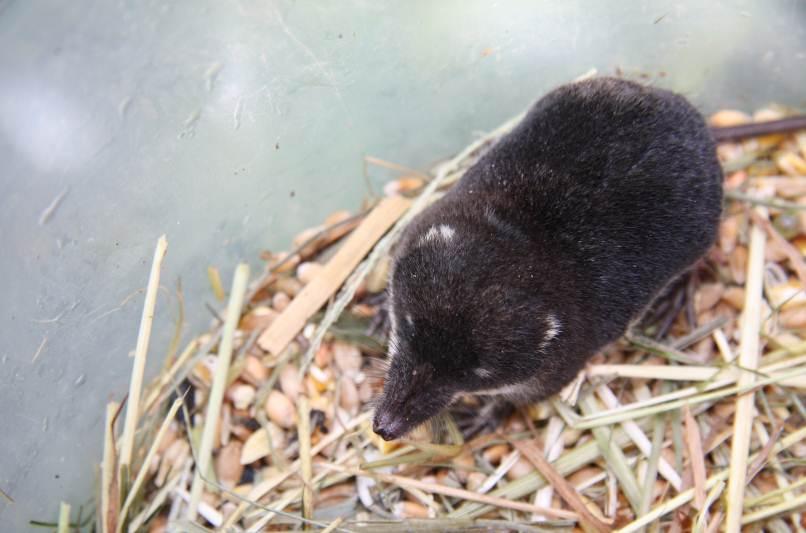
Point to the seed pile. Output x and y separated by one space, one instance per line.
689 423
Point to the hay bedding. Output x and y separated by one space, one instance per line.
262 423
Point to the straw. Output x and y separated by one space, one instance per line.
700 523
638 437
214 276
263 488
138 368
606 418
615 457
152 451
64 518
554 447
460 493
687 495
304 432
219 383
789 505
110 497
748 358
652 465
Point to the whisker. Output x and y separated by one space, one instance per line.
372 404
438 427
376 368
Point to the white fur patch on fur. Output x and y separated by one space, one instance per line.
506 390
443 231
409 320
447 232
554 328
482 372
430 235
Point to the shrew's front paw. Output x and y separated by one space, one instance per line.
484 418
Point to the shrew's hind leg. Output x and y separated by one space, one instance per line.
678 296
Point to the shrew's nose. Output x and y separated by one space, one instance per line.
387 425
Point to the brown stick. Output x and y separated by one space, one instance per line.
436 488
320 289
567 492
764 454
758 129
694 445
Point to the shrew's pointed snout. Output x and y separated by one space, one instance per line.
388 425
410 397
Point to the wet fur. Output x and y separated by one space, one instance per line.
604 193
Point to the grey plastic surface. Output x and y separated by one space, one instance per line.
232 125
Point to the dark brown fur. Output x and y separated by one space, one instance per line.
573 222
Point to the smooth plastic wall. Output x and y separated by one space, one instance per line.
231 125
